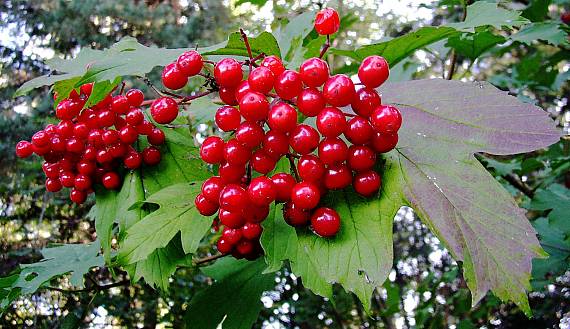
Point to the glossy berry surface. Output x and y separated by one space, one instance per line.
261 79
212 150
314 72
204 206
283 184
325 222
254 106
310 102
373 71
282 117
228 72
310 168
331 122
332 151
296 216
288 84
274 64
305 195
365 101
339 90
367 183
359 131
327 21
164 110
261 191
386 119
304 139
189 63
173 78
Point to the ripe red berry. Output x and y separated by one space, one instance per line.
204 206
145 128
365 101
231 219
306 195
337 177
386 119
314 72
77 196
173 78
333 150
382 143
151 156
128 135
227 118
282 117
111 181
359 131
120 104
327 21
288 84
233 198
74 145
58 144
212 150
274 64
254 106
261 79
41 138
65 128
283 183
82 182
90 153
164 110
235 153
373 71
85 167
304 139
81 130
228 72
275 144
250 134
118 150
296 216
325 222
224 246
251 231
261 162
106 118
244 248
190 63
104 156
109 137
156 137
331 122
95 137
53 185
310 102
63 112
67 179
242 89
361 158
367 183
24 149
133 160
86 89
256 213
339 90
228 95
135 117
135 97
310 168
232 235
231 173
212 187
565 18
261 191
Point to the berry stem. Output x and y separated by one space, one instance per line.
208 259
326 46
293 167
151 86
208 62
122 88
248 47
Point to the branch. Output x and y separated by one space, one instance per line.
326 46
248 47
453 52
519 185
96 288
208 259
293 167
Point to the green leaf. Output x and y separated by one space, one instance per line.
234 299
8 293
203 110
279 239
556 244
176 213
549 32
445 123
557 199
472 45
503 168
537 11
263 43
105 216
100 90
483 13
290 37
131 192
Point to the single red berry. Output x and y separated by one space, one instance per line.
120 122
274 64
276 144
261 79
233 198
361 158
63 110
111 181
224 246
190 63
231 173
228 95
129 135
109 137
86 89
133 160
331 122
325 222
53 185
373 71
283 183
304 139
212 150
306 195
261 162
256 213
332 151
86 167
120 104
77 196
359 131
173 78
251 231
212 187
365 101
245 247
261 191
95 137
339 90
74 145
81 130
145 128
156 137
106 118
41 138
67 179
296 216
250 134
310 102
164 110
65 128
327 21
232 235
58 144
231 219
104 156
386 119
51 169
82 182
24 149
151 156
235 153
367 183
227 118
228 72
288 84
382 143
204 206
118 150
254 106
282 117
135 97
90 153
310 168
135 117
337 177
242 89
565 18
314 72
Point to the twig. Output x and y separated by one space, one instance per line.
208 259
326 46
248 47
453 52
150 85
122 88
293 167
93 288
519 185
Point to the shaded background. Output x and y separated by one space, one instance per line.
425 289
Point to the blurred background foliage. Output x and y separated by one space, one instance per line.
425 288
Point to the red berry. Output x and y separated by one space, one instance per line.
90 153
296 216
41 138
339 90
24 149
233 198
212 187
242 89
386 119
173 78
333 150
283 185
373 71
327 21
135 117
95 137
382 143
109 137
256 213
325 222
67 179
288 84
164 110
310 168
118 150
77 196
235 153
190 63
228 72
231 173
106 118
120 104
82 182
244 247
254 106
565 18
81 130
282 117
111 181
231 219
331 122
156 137
86 167
314 72
228 95
74 145
65 128
133 160
306 195
338 177
304 139
151 156
227 118
53 185
63 110
129 135
367 183
250 134
135 97
365 101
212 150
224 246
232 235
104 156
86 89
251 231
145 128
361 158
274 64
41 150
310 102
261 191
276 144
359 131
58 144
261 162
204 206
261 79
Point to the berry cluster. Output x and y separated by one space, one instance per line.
89 145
